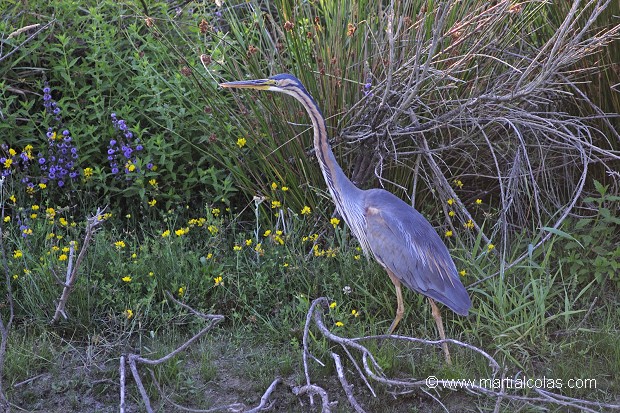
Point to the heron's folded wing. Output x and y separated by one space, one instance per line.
403 241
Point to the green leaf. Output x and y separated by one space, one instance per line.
600 188
561 234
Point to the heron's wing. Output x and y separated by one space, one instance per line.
404 242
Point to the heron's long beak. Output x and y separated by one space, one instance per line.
262 84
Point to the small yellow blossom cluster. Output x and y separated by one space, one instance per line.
311 238
277 237
181 231
354 313
196 222
319 252
88 174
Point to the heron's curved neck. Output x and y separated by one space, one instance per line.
343 191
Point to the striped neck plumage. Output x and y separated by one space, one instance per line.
346 196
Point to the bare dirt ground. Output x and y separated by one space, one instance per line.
86 379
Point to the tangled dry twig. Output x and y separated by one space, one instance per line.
371 370
479 99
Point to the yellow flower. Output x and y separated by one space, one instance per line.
35 207
88 172
448 234
7 218
267 233
152 202
237 248
33 216
305 210
134 255
50 213
119 244
357 257
490 247
276 204
334 221
65 249
451 213
13 199
8 162
15 276
63 221
355 313
285 264
166 233
209 256
274 186
333 305
458 183
151 273
215 212
129 314
17 254
285 188
450 201
62 257
212 229
181 231
42 186
478 201
181 291
12 152
126 279
259 248
27 231
248 242
463 273
469 224
130 166
339 323
218 280
153 182
241 142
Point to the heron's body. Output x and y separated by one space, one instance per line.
397 235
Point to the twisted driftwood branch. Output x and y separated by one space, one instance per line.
373 371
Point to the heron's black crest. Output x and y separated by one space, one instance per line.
282 76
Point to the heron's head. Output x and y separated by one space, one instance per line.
283 83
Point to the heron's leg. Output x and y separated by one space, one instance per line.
400 308
442 333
